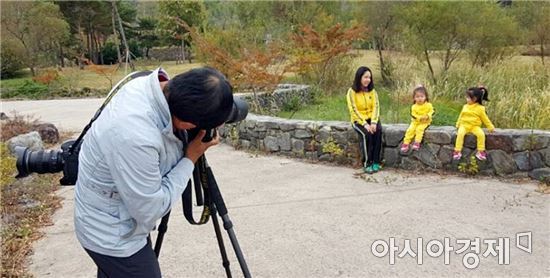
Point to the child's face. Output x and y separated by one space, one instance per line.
419 98
365 79
470 100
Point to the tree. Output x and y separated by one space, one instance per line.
316 53
436 29
534 20
491 34
147 35
381 19
37 27
171 12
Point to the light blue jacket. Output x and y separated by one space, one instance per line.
131 170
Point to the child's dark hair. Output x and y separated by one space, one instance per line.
422 89
357 86
478 93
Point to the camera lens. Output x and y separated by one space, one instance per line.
45 161
239 111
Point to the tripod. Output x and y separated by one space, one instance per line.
213 205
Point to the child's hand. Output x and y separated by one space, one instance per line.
491 130
424 118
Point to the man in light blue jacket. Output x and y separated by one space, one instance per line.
132 168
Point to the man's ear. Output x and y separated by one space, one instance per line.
179 124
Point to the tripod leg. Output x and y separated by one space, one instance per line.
217 199
225 261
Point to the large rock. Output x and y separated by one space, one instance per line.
528 160
499 141
437 136
546 156
409 163
391 157
302 134
283 140
31 140
503 163
48 132
530 142
297 146
323 134
445 154
428 156
392 136
271 144
541 174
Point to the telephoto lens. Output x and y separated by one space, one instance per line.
44 161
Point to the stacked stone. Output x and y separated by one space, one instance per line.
509 150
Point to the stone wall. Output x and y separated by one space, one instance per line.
285 94
509 150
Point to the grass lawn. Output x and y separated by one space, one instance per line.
334 108
73 77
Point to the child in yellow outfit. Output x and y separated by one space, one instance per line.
421 117
470 120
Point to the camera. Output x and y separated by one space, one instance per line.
66 159
50 161
237 114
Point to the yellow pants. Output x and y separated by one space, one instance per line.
465 129
415 130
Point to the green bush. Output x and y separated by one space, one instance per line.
9 60
7 166
32 90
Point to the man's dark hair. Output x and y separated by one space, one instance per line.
357 86
200 96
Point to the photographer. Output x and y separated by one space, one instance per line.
133 169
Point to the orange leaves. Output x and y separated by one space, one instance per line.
317 47
46 77
250 68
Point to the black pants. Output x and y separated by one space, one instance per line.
143 264
369 143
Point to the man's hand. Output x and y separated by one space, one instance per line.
196 148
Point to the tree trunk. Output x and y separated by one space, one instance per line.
61 60
113 16
383 70
182 50
126 48
542 51
430 65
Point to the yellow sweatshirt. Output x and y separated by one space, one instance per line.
474 115
420 110
363 106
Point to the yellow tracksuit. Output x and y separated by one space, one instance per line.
417 127
470 120
363 106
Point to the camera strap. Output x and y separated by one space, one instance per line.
201 182
76 145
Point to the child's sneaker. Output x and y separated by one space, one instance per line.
457 155
416 146
369 169
376 167
481 155
404 148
